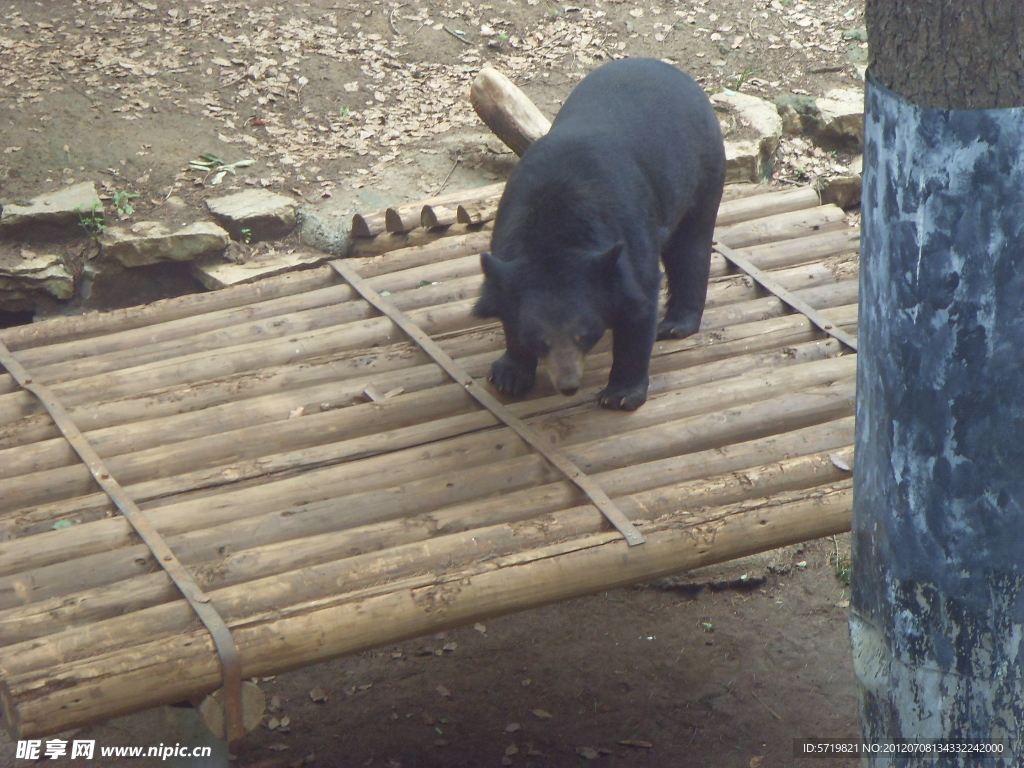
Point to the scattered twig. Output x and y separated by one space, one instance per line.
391 20
229 83
445 182
74 87
456 35
777 715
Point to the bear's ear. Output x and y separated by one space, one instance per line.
609 260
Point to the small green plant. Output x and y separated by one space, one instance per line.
122 202
503 37
344 111
91 220
742 78
246 235
843 568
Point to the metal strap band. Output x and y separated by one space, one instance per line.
561 462
231 667
772 286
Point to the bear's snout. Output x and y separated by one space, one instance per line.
565 367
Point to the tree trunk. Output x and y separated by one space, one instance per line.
937 623
949 54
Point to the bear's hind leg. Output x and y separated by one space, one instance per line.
687 260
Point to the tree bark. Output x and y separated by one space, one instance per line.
949 54
936 621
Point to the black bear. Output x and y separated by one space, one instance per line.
632 168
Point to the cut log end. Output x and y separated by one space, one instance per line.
507 111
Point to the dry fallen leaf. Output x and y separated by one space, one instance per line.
587 752
541 714
318 694
444 692
512 727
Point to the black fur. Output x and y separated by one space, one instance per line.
632 169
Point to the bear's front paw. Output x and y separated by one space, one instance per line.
620 398
512 378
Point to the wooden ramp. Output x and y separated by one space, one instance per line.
331 489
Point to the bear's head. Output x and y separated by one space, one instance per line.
553 315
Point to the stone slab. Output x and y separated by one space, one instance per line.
150 242
254 214
217 273
56 210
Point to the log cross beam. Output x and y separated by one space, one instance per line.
557 458
227 650
771 285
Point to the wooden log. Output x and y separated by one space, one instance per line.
60 329
55 453
440 216
332 315
506 110
414 296
769 204
91 324
775 255
19 405
390 241
258 354
293 435
476 214
145 675
44 484
606 448
361 557
452 247
693 352
368 224
783 226
392 282
159 376
397 223
52 615
393 218
211 319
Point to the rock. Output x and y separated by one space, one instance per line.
751 128
255 214
797 112
326 231
834 121
56 214
841 114
149 242
843 191
26 274
216 273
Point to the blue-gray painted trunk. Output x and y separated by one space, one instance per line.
937 616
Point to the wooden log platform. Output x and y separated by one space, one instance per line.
331 489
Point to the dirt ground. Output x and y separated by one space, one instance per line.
352 105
